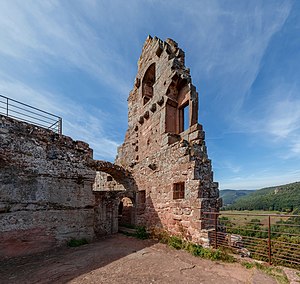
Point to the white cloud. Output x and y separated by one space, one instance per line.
276 120
227 165
21 92
48 32
261 180
283 124
284 118
80 34
238 38
81 123
40 35
225 45
296 146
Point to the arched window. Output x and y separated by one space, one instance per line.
183 100
147 84
177 108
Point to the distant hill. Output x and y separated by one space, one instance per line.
229 196
280 198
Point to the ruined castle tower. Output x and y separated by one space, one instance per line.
162 177
164 146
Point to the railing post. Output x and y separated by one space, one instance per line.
6 106
60 126
216 228
269 240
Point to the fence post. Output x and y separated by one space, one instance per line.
269 240
6 106
216 228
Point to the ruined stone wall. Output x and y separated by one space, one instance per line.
45 189
162 154
105 182
46 180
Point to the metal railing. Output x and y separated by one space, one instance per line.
23 112
274 238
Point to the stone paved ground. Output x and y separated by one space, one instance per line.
122 259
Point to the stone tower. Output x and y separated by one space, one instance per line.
164 147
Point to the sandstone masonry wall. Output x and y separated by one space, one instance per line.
45 189
164 146
51 189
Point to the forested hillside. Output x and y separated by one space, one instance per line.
229 196
279 198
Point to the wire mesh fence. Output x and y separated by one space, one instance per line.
23 112
274 238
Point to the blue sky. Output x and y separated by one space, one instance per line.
78 59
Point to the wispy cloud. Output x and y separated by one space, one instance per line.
89 125
276 120
260 180
41 98
296 146
51 33
228 166
38 37
78 59
283 124
234 67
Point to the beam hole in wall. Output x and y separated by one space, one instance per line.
178 190
109 178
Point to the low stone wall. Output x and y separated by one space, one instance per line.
45 189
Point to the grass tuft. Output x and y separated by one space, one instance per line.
275 272
197 250
77 242
141 233
175 242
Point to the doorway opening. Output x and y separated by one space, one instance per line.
125 212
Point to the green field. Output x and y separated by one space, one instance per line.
243 217
283 234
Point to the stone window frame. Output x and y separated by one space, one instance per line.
148 81
179 190
182 118
180 106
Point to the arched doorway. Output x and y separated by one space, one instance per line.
115 195
126 212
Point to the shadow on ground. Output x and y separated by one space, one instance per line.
64 264
120 259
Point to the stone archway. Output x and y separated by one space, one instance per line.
118 173
113 185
